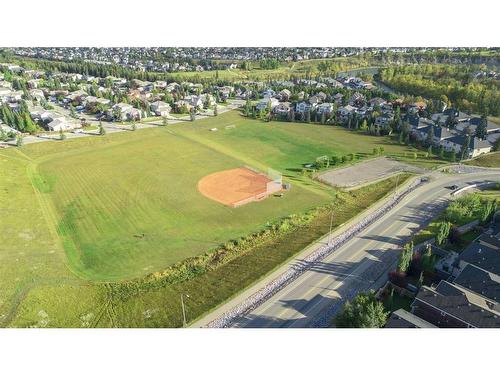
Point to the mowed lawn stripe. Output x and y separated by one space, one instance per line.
132 208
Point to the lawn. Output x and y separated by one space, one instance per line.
117 207
32 259
491 160
288 146
127 209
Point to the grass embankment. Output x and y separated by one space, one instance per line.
491 160
211 282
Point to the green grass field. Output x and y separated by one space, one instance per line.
491 160
95 209
129 208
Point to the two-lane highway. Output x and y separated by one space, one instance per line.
362 263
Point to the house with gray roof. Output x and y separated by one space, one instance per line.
479 281
451 306
405 319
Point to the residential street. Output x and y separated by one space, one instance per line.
361 264
113 128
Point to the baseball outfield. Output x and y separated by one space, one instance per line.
79 214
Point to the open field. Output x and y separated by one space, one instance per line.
121 206
364 172
491 160
288 146
131 206
285 70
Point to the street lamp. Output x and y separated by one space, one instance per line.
184 323
397 182
331 225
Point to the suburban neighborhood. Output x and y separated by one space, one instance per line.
262 188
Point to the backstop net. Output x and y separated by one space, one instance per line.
276 182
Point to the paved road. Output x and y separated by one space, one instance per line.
362 263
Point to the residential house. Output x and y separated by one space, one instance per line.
476 146
314 100
160 108
384 120
345 112
268 93
266 103
59 124
121 111
282 109
337 98
325 108
376 102
357 99
284 95
479 281
34 83
303 107
37 94
160 85
405 319
484 253
451 306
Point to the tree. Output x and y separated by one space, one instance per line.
308 116
487 210
481 127
364 124
496 145
405 257
430 136
19 140
364 311
443 232
465 148
102 131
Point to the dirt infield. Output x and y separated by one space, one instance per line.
365 172
236 187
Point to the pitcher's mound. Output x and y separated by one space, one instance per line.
238 186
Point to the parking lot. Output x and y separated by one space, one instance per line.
365 172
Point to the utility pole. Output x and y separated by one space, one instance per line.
331 225
396 188
184 323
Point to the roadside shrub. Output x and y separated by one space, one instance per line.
455 237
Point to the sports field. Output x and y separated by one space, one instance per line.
238 186
82 211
